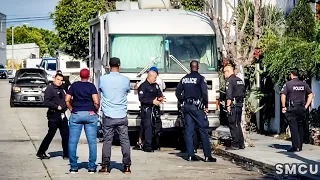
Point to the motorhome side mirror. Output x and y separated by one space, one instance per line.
11 81
38 66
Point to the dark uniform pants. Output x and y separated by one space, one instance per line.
192 116
151 128
234 122
54 123
296 119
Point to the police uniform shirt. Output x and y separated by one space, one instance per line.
54 97
234 88
148 92
296 90
193 86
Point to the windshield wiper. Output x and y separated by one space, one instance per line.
179 63
147 67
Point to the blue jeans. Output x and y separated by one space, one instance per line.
76 122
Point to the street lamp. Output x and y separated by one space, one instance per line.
12 44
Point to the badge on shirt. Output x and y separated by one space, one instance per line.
62 116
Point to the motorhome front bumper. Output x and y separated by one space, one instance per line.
170 121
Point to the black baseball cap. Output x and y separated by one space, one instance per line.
114 62
295 71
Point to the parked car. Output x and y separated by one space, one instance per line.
28 87
3 74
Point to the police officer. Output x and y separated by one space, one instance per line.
194 98
293 96
150 97
235 93
54 99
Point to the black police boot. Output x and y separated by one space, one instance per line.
148 150
294 150
194 158
65 157
138 146
43 156
242 147
232 148
210 159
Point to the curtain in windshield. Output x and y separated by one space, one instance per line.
187 48
136 51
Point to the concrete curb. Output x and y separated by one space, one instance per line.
254 164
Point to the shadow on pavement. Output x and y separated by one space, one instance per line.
280 146
83 165
55 154
292 154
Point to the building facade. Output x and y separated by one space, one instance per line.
23 51
3 39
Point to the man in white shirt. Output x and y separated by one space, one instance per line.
162 86
159 81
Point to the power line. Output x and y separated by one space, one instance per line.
27 18
15 15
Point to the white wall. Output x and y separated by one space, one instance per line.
22 51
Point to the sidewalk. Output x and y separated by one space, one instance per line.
269 151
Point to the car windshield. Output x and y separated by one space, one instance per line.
169 53
31 81
52 67
30 75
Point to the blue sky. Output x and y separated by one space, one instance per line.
15 9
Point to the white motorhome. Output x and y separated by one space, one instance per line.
70 66
151 34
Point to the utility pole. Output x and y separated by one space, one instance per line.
12 44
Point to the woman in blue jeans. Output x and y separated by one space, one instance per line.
83 101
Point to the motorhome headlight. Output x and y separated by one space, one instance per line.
16 89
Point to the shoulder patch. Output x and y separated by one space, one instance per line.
284 86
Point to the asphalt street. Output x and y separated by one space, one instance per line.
23 128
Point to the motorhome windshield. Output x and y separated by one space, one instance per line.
138 51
